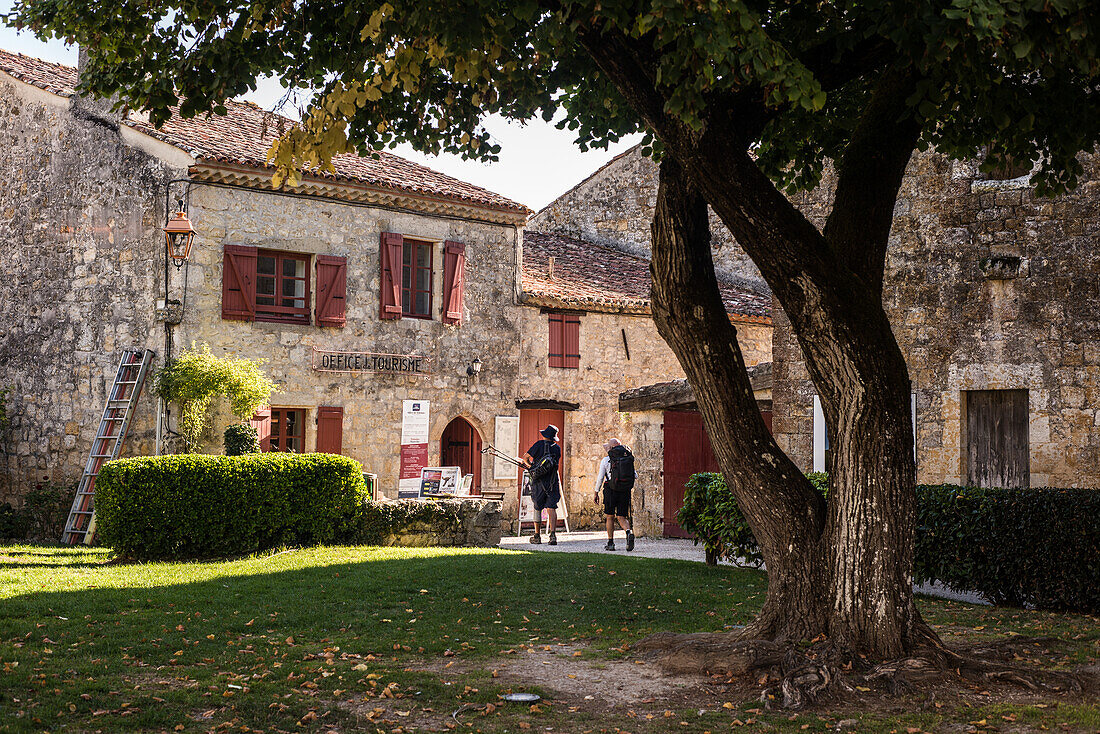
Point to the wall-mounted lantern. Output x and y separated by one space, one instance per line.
178 236
474 367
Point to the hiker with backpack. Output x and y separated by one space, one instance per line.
542 461
616 478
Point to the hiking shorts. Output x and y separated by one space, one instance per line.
616 503
545 496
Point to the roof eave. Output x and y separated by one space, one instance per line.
343 189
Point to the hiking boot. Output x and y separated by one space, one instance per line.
610 545
553 539
536 539
630 541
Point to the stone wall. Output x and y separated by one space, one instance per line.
442 523
614 206
80 250
965 323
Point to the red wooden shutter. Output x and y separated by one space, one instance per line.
330 430
454 281
239 283
332 277
262 423
571 336
557 340
390 290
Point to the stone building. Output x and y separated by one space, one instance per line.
381 286
990 290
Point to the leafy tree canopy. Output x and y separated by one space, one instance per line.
1017 78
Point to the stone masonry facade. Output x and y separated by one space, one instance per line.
79 243
82 199
988 287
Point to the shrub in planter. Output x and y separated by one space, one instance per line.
1033 547
241 439
195 506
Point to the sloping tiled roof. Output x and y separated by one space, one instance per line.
598 278
244 135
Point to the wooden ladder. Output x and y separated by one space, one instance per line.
110 435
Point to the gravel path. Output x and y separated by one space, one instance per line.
587 541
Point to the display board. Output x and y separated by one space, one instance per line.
440 480
414 446
507 440
527 508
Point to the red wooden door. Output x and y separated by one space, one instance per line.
687 452
531 421
460 445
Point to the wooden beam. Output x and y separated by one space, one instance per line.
677 394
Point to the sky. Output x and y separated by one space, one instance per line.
537 162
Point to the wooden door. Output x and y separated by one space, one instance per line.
531 421
460 445
687 452
996 438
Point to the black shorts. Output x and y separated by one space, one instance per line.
616 503
545 496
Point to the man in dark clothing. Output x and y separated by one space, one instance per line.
545 489
616 485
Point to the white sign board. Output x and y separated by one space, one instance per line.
414 446
507 440
527 508
436 480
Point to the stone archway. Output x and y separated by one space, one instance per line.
460 445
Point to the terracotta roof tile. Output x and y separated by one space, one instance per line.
595 277
244 135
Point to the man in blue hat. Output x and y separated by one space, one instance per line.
543 460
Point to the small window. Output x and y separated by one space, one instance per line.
282 287
288 430
416 279
565 340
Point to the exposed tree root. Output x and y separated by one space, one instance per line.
795 678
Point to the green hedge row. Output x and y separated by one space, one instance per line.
1033 547
197 506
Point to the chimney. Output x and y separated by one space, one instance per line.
90 108
550 267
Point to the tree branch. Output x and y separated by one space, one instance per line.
868 178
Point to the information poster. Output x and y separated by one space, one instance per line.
507 440
440 480
527 508
414 447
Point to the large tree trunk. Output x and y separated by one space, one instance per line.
844 572
849 576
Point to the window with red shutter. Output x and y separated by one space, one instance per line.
330 430
282 287
390 276
571 327
565 340
454 281
262 423
239 283
332 276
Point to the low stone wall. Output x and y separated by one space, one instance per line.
433 523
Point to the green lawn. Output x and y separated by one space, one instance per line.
397 639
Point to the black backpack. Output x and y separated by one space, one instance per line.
544 467
622 471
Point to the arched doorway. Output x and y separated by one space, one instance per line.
460 445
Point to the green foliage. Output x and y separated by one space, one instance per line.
712 516
1033 547
194 506
41 516
196 377
1003 74
240 439
379 520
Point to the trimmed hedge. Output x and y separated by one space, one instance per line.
196 506
241 439
1024 547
